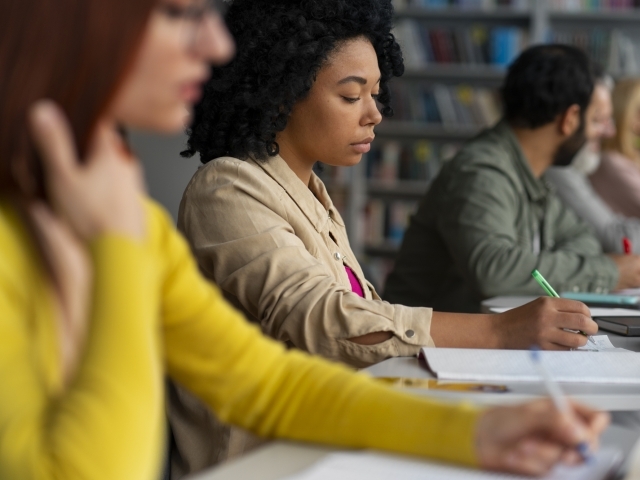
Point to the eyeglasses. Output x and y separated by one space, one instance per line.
193 15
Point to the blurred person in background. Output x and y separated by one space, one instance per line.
617 179
489 218
572 183
100 297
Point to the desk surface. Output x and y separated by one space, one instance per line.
620 341
278 460
610 397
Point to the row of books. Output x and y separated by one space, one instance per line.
463 4
613 49
385 222
474 45
582 5
446 105
389 161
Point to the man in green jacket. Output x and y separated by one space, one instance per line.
489 218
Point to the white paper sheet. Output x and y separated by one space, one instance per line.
484 365
376 466
600 343
595 312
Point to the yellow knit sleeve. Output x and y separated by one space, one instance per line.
252 381
107 423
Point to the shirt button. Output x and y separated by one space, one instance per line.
409 333
599 290
576 288
337 256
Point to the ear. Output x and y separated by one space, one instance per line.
569 121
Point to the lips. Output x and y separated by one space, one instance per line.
363 146
191 92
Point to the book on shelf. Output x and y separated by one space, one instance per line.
457 105
392 161
385 222
469 45
614 49
582 5
462 4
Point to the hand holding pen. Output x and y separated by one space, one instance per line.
552 293
567 410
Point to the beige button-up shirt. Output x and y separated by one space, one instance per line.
278 249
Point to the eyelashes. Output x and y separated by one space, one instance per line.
355 99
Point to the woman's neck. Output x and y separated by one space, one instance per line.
300 166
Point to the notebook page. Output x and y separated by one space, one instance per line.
515 365
595 312
376 466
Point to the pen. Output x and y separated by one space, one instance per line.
626 246
558 398
552 293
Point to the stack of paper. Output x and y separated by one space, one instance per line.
611 366
375 466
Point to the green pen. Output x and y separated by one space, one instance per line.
552 293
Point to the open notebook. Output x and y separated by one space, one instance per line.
377 466
605 366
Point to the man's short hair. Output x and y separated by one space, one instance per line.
544 81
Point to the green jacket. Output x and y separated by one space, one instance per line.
484 225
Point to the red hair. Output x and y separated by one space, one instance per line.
74 52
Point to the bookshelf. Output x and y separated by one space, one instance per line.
456 53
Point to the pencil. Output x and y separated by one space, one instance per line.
558 398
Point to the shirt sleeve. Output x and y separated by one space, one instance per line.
617 180
576 192
477 219
239 232
253 382
108 423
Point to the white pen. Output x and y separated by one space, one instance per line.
558 398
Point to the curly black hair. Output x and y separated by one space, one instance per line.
281 45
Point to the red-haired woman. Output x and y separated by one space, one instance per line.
99 296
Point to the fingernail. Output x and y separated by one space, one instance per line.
45 112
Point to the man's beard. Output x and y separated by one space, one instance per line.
570 147
587 160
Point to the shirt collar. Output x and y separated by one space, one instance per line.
313 201
536 188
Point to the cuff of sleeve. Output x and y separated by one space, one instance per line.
413 328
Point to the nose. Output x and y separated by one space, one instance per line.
214 43
372 115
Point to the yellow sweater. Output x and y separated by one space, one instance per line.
153 314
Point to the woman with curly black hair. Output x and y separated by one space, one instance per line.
306 86
310 83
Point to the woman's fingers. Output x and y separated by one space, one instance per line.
53 137
533 457
531 438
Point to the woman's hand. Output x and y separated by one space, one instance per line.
72 281
543 323
531 438
100 195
